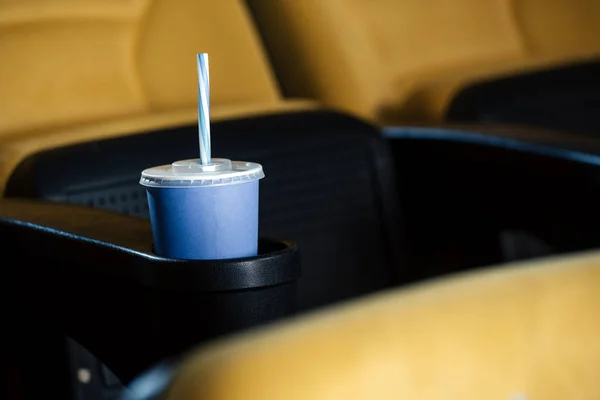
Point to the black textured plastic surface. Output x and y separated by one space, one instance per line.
89 274
121 247
564 98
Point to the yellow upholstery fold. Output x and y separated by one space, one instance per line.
524 331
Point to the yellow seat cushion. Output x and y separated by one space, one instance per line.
524 331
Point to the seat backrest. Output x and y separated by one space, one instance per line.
390 60
68 63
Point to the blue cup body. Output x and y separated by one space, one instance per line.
205 223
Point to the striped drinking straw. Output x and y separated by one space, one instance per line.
203 108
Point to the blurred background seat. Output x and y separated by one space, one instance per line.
521 331
94 93
75 72
398 62
448 82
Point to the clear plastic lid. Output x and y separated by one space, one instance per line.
190 173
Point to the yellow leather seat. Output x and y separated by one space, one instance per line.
525 331
76 71
395 61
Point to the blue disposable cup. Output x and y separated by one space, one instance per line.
204 212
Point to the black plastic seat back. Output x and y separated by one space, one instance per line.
564 99
328 187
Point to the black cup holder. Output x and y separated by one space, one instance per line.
92 275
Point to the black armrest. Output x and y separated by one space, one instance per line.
91 274
465 188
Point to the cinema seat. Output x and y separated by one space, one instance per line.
398 62
95 93
75 72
